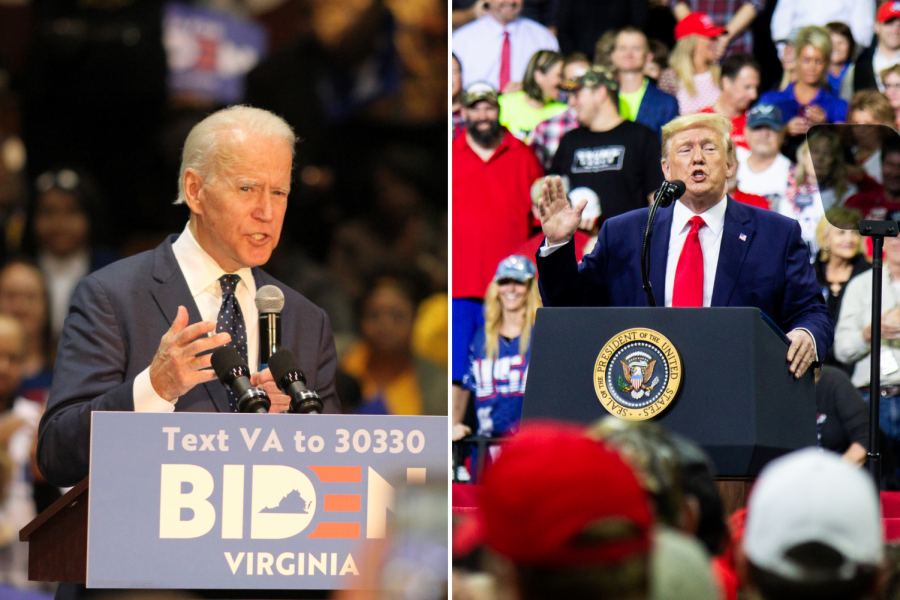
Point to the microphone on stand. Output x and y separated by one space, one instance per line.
669 192
269 302
288 376
235 375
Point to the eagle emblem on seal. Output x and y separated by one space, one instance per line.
637 368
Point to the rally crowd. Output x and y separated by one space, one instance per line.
531 97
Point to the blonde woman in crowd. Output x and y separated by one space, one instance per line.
808 100
538 100
693 77
498 357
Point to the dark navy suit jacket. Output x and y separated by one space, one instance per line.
769 269
116 320
657 108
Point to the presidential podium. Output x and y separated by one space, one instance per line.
737 398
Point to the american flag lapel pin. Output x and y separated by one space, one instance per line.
743 237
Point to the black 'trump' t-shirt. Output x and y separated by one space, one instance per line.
621 165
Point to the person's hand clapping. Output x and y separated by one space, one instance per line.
176 368
797 126
559 219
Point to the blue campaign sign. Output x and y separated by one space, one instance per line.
227 501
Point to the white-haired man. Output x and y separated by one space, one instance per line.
708 249
137 330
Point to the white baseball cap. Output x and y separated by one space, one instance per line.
813 496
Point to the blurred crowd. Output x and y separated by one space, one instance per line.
581 90
96 99
628 511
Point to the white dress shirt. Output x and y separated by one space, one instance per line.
62 276
202 274
791 15
710 242
479 44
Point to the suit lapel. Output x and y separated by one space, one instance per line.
659 251
732 252
170 290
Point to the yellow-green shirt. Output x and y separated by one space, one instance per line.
520 118
630 104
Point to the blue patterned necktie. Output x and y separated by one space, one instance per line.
231 320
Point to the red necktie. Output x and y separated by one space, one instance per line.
688 288
504 62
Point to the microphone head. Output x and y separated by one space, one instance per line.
678 189
672 192
225 360
282 363
270 299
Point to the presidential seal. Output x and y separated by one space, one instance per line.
638 374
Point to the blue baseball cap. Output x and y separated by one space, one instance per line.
765 115
515 267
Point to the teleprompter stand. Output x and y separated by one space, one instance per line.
877 230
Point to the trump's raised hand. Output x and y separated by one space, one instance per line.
176 368
559 219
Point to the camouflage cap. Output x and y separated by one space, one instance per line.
593 76
481 91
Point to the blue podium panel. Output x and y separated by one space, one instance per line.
228 501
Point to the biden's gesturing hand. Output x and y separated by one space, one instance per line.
280 402
176 368
802 352
559 219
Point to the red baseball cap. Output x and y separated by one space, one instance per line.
555 498
697 24
888 11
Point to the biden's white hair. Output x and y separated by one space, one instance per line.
207 145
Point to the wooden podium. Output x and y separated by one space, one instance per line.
57 539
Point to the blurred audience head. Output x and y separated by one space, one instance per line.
650 450
12 353
870 107
843 47
740 81
481 111
764 130
67 211
603 49
568 516
891 79
887 26
23 294
814 529
592 92
659 59
827 157
838 233
543 75
388 312
695 49
631 51
813 52
505 11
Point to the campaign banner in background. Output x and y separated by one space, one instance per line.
233 501
210 52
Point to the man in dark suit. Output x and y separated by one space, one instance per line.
136 337
708 250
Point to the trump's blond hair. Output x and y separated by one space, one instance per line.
718 123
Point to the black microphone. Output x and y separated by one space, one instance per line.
236 376
269 302
288 376
669 192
